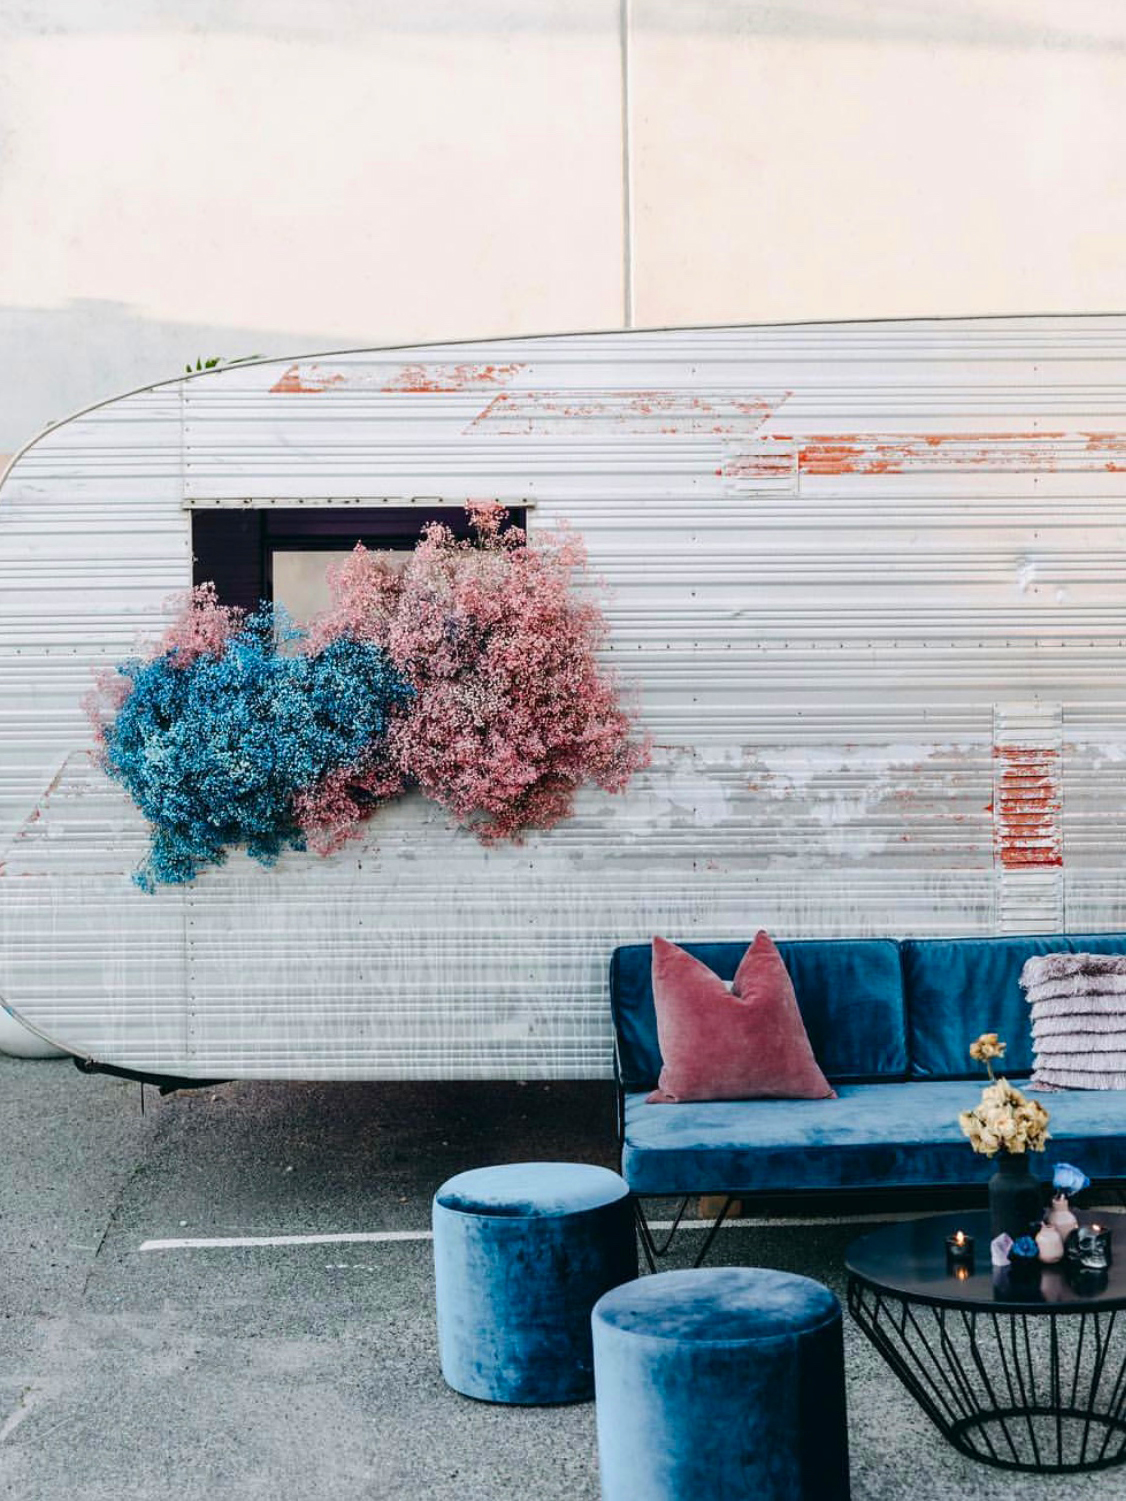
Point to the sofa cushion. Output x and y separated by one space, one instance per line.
872 1136
849 993
957 988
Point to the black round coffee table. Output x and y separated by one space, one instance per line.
1028 1373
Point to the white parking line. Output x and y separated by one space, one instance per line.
228 1242
353 1237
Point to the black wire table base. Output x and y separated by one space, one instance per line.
1043 1390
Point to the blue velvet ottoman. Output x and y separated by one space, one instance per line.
723 1382
521 1255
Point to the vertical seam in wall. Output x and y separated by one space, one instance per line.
184 459
627 187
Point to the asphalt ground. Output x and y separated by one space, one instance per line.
297 1372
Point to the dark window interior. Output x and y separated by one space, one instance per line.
234 549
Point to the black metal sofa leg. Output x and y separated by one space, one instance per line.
714 1231
654 1251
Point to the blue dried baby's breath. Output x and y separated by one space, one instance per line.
214 752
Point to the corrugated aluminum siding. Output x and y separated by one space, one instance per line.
868 578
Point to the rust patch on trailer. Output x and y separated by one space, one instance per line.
1110 448
465 377
642 412
415 377
895 453
763 462
825 456
307 379
1026 807
900 453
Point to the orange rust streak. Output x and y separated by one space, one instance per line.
309 381
467 377
679 413
860 453
822 456
755 465
1031 755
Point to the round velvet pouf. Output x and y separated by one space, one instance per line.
522 1253
722 1382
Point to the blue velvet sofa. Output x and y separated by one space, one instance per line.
890 1023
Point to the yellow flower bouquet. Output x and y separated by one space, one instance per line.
1007 1122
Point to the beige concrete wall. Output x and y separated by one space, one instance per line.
258 176
185 178
867 158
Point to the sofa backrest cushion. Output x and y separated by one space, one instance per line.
957 988
849 991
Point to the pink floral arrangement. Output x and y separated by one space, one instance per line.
512 712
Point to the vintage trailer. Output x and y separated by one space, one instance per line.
868 580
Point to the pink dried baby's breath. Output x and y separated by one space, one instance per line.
513 711
202 626
487 516
366 593
335 809
100 704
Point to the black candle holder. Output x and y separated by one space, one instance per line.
1089 1249
960 1254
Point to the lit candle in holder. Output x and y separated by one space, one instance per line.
960 1254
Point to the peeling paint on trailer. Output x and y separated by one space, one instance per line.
880 653
412 378
904 453
587 412
306 379
900 453
466 376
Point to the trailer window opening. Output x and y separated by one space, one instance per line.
281 553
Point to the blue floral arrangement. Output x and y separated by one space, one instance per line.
217 741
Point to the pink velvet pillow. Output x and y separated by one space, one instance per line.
748 1043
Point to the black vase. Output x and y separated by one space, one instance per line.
1016 1197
